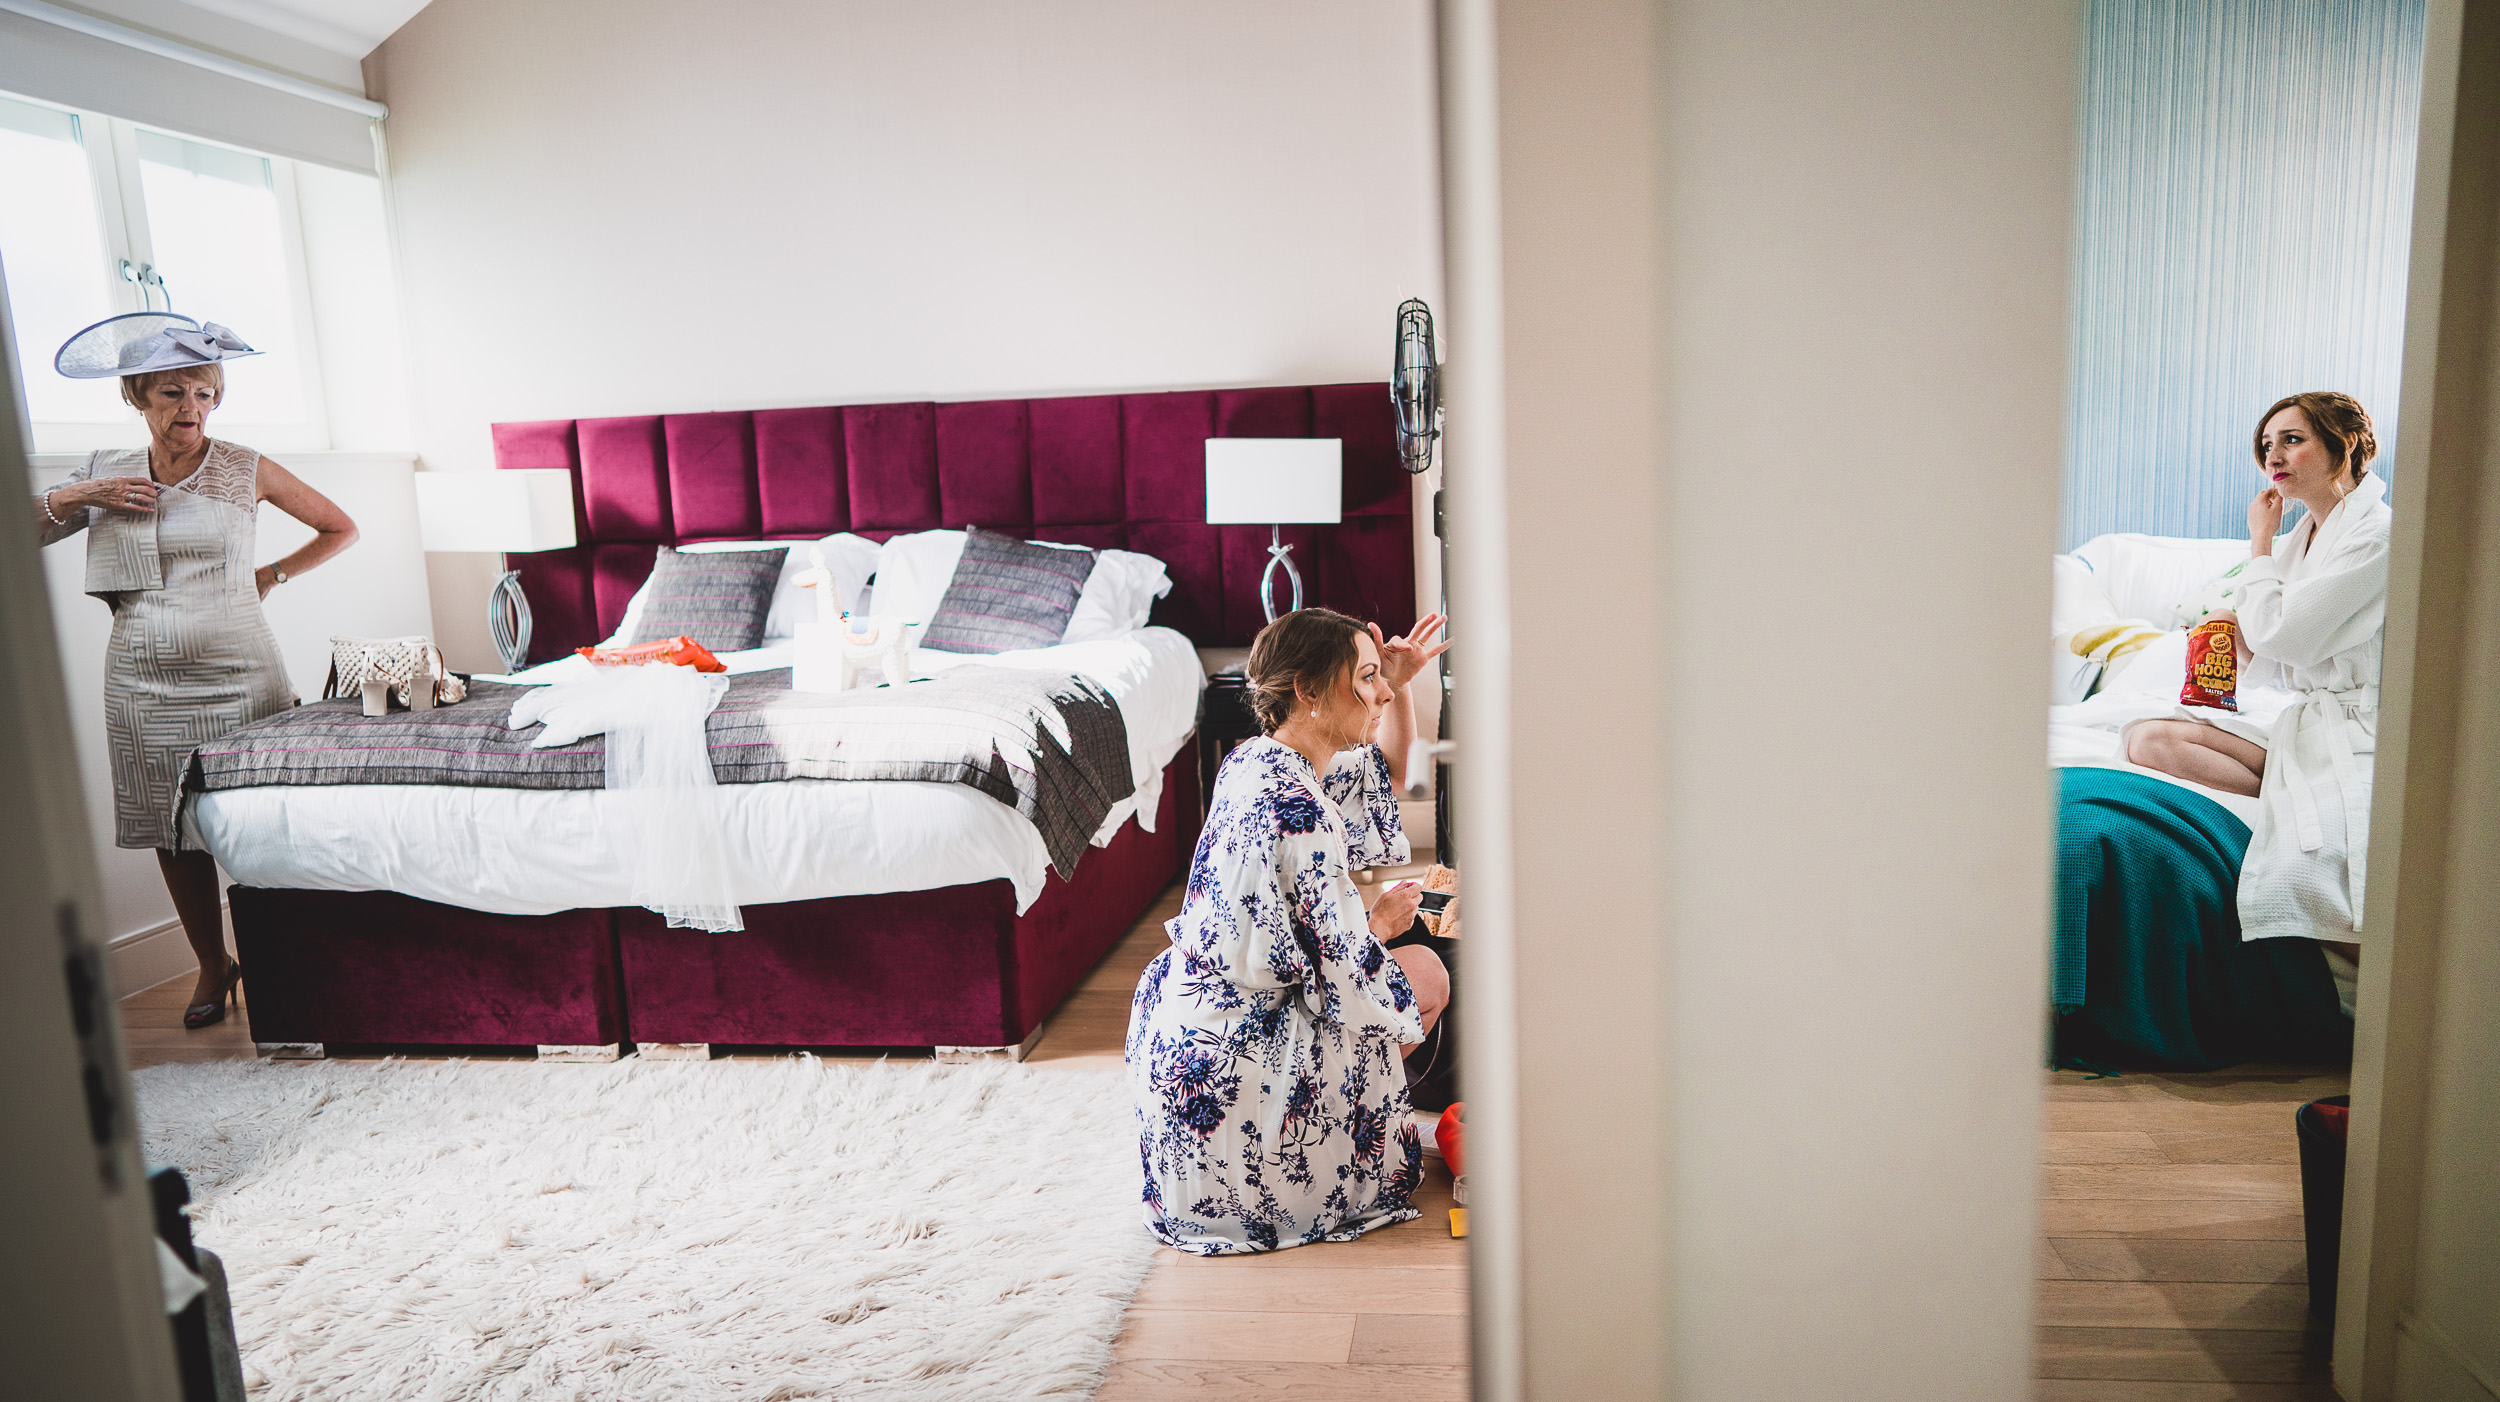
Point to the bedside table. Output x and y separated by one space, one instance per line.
1224 721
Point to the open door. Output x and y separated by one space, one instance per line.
84 1316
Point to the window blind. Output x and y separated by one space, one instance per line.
46 60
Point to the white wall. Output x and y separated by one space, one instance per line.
355 297
611 208
1864 351
1781 295
375 589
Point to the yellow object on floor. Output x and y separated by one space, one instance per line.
1458 1221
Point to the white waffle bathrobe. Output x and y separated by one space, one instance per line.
2314 613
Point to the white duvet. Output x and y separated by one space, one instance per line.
2147 688
535 852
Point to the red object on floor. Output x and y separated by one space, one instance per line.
1451 1135
2337 1119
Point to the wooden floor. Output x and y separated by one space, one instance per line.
2171 1268
1380 1318
2170 1265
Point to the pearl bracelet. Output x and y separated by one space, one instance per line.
47 509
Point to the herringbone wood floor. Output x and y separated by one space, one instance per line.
2170 1259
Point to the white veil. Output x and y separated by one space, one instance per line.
662 802
660 783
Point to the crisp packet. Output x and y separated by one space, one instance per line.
2213 666
679 651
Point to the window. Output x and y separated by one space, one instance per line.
52 244
105 217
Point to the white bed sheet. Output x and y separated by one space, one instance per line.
535 852
2087 734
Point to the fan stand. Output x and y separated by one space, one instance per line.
1278 553
1415 394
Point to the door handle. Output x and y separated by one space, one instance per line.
1420 754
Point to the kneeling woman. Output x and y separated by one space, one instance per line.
2312 615
1265 1046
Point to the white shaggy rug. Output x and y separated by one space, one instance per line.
753 1230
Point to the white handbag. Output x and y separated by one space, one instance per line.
409 670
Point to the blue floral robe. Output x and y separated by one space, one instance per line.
1263 1046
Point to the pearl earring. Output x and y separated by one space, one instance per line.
1315 713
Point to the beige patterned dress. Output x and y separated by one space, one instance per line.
192 658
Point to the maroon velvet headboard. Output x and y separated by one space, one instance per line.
1125 471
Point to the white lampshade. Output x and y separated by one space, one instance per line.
506 512
1275 481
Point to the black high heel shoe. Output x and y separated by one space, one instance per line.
200 1015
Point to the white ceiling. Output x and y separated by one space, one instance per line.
348 28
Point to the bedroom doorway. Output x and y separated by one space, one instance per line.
2210 1090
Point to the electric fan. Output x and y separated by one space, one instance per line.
1415 387
1415 392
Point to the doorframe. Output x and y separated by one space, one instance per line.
88 1320
2452 313
1476 484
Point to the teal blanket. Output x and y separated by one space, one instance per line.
2147 967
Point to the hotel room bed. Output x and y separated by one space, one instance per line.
877 913
517 851
2148 969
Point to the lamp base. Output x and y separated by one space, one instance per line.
508 618
1278 553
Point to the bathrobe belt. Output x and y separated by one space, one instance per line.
2334 710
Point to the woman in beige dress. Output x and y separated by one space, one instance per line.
169 550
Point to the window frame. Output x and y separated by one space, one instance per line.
111 145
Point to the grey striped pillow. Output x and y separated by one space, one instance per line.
1007 594
718 598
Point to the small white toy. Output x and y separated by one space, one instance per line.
882 643
837 645
817 577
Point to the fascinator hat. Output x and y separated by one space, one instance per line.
143 341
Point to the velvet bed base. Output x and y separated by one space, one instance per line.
955 967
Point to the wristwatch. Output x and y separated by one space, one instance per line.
277 575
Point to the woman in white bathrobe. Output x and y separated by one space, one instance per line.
2312 616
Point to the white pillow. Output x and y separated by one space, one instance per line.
2146 576
1118 595
851 558
914 570
2155 669
2217 595
2076 598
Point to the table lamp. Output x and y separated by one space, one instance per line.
508 513
1275 482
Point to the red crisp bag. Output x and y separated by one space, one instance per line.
2213 666
676 652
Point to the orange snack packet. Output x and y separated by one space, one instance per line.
676 652
2213 666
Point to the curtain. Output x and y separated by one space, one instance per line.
2242 227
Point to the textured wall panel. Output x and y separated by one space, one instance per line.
1106 471
2242 229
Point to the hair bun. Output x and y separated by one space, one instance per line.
1306 651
